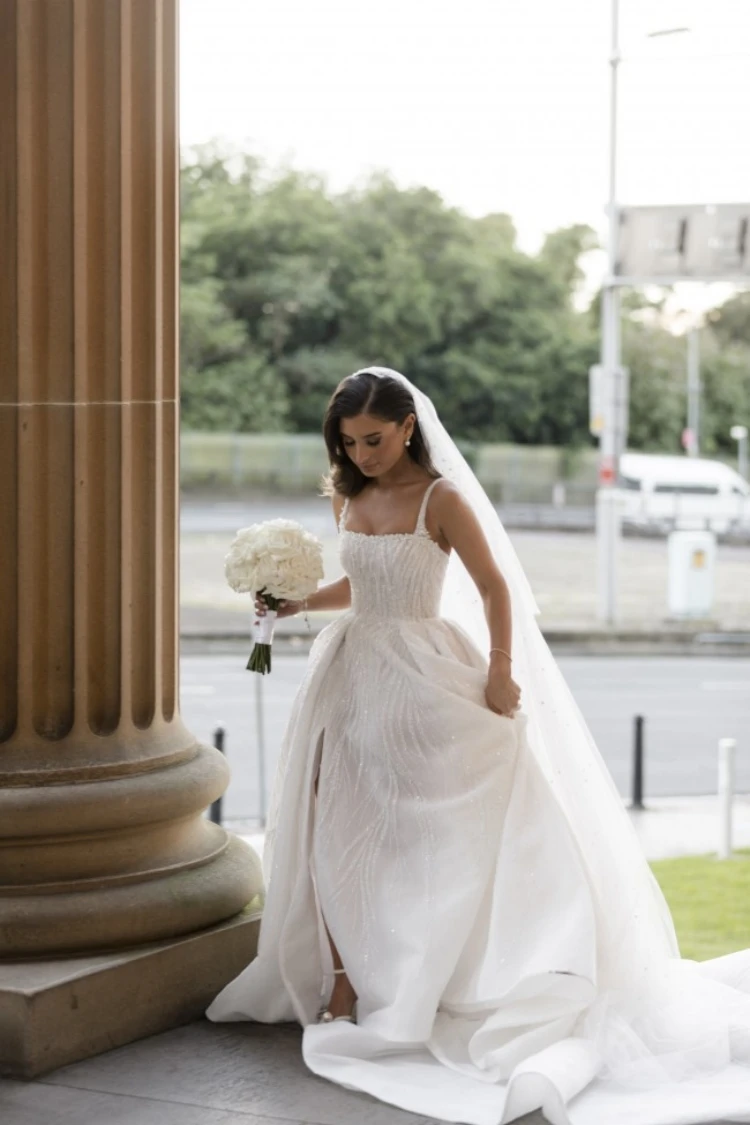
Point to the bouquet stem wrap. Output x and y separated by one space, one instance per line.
260 657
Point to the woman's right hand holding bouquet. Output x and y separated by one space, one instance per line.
285 608
333 596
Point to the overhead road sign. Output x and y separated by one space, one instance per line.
690 242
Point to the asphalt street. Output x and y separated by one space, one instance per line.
688 705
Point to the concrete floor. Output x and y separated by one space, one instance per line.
202 1074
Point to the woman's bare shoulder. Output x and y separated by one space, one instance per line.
448 506
445 496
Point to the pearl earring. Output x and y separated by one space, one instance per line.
408 441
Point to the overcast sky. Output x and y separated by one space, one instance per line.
499 105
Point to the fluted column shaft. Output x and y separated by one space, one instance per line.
101 785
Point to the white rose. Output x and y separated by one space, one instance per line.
277 556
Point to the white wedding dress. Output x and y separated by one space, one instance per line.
463 906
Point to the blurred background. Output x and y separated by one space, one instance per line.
425 186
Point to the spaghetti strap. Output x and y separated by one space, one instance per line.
421 528
343 515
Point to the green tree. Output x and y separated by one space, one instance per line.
287 287
243 395
561 255
731 321
725 375
311 376
658 410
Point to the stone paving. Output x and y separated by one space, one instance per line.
202 1074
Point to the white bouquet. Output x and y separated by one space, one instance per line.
278 561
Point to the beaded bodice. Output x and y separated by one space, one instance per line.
394 576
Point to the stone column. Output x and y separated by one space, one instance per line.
103 842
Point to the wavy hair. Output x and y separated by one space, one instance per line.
383 397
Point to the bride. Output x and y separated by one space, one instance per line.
458 911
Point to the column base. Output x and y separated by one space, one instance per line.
56 1012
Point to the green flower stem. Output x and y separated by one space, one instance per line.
260 659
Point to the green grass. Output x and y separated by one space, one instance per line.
710 902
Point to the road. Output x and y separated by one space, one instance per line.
688 705
200 516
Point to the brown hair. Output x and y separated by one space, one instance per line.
366 393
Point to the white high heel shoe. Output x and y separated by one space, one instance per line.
327 1017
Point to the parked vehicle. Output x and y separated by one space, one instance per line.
661 493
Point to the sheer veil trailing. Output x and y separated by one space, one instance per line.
657 1018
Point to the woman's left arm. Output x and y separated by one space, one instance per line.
460 529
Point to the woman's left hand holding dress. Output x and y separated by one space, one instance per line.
503 694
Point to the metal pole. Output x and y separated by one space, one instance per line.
739 434
727 747
607 529
214 813
614 62
260 738
693 391
637 802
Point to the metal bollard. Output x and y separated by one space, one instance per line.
727 747
214 812
637 802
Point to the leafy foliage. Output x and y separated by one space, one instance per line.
287 288
731 322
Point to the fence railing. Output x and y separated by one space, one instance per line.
295 463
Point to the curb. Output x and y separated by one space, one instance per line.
589 642
652 642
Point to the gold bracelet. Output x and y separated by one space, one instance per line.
502 650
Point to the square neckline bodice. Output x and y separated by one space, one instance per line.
420 531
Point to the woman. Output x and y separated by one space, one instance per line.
456 880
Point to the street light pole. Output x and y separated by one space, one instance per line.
613 400
607 517
693 392
739 433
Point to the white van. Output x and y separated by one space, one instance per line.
662 492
